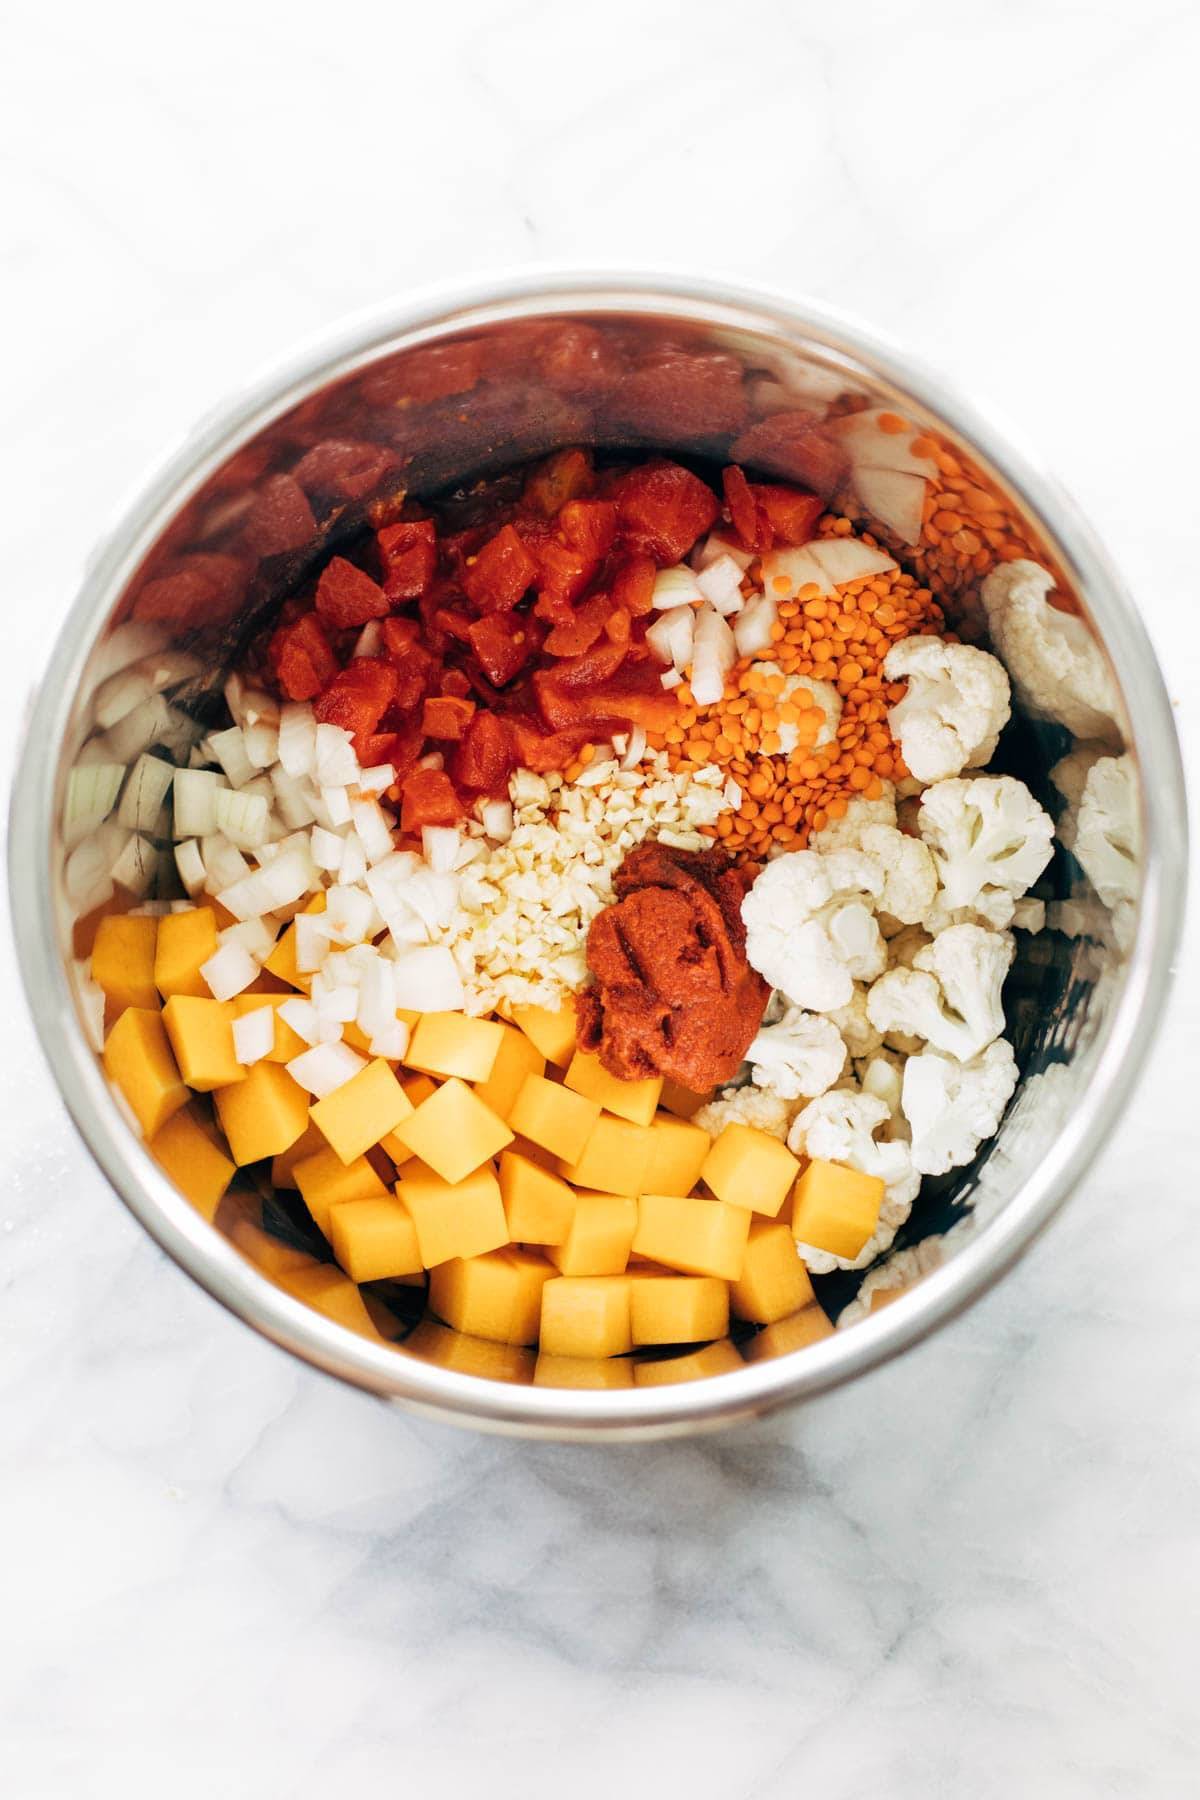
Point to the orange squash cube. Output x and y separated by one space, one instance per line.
481 1357
201 1034
464 1218
363 1110
184 1150
374 1239
330 1292
749 1168
139 1063
583 1371
633 1100
552 1033
262 1115
774 1282
714 1359
678 1153
497 1296
184 941
123 959
835 1209
325 1181
701 1237
551 1115
600 1236
615 1160
586 1316
538 1206
454 1133
516 1058
452 1043
677 1309
808 1326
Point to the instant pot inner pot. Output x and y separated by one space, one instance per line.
440 415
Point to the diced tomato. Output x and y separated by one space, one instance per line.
205 587
399 636
791 513
750 525
446 716
633 585
379 747
416 674
580 631
796 447
358 696
302 658
589 526
487 755
344 468
454 622
672 395
280 518
501 574
663 508
504 644
575 358
562 477
428 798
454 682
436 371
409 555
563 575
542 751
347 596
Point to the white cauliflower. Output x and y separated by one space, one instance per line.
1107 831
952 1107
990 840
801 1056
810 927
858 1034
1029 915
909 874
745 1106
950 998
956 706
882 1075
840 1127
818 693
1056 665
903 946
846 833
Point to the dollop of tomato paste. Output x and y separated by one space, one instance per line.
673 994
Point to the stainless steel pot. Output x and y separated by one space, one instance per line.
1086 1005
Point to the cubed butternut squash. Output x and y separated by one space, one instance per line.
417 1088
185 1151
538 1205
615 1160
184 941
551 1115
586 1316
481 1357
330 1292
600 1236
680 1101
139 1062
699 1236
774 1282
677 1309
497 1296
454 1133
463 1218
262 1115
808 1326
835 1209
715 1359
362 1111
517 1057
452 1043
123 960
583 1371
749 1168
374 1239
201 1034
678 1152
633 1100
325 1181
553 1033
283 1166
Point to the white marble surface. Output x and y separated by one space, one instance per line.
975 1574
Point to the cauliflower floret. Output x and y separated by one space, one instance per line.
818 693
953 1107
1029 915
905 944
840 1127
845 833
745 1106
1107 835
810 927
950 998
909 874
858 1034
1055 664
990 841
882 1075
801 1056
956 706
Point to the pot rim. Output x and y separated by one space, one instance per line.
210 1259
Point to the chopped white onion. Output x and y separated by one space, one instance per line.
297 739
301 1015
869 447
715 546
635 749
336 763
229 970
338 1003
713 656
897 500
440 845
849 559
392 1043
432 896
262 744
136 866
190 864
92 790
373 828
129 643
289 876
672 679
721 584
325 1068
354 861
672 636
312 941
799 568
676 587
293 800
229 749
223 862
754 625
376 780
427 980
376 1013
496 817
242 816
336 802
194 802
147 723
88 871
248 705
370 639
254 1034
326 848
253 935
349 914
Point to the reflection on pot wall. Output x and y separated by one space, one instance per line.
444 414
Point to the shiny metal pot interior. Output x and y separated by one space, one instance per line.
450 389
